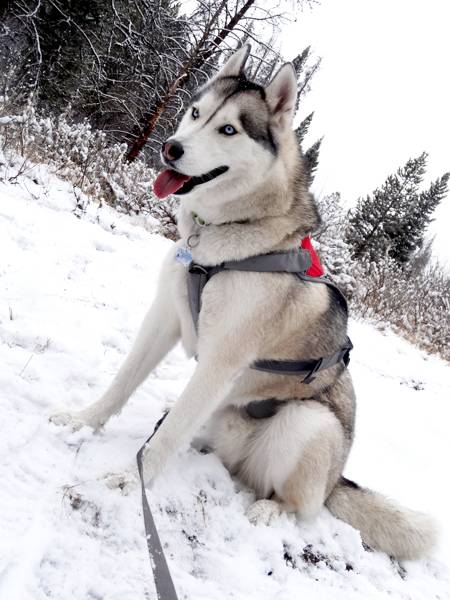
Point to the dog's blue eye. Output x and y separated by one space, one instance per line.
228 130
195 113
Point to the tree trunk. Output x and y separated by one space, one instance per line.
199 56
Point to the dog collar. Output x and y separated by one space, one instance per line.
198 220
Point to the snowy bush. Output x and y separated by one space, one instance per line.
334 250
413 299
414 302
86 158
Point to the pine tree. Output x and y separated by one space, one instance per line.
303 128
392 220
49 43
409 236
311 161
305 72
301 69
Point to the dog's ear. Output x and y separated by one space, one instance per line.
281 94
236 63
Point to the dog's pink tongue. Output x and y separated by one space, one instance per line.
168 182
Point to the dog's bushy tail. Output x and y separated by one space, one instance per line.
384 525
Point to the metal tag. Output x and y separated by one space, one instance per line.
183 256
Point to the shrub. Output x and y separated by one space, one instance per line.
85 157
334 250
413 299
414 302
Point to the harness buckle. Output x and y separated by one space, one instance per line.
195 268
346 357
310 377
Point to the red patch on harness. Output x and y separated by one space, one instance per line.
316 269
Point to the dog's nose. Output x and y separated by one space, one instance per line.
172 150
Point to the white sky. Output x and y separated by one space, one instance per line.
382 94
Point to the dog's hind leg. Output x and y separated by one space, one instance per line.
308 485
159 332
304 491
299 454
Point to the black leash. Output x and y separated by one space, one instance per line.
165 589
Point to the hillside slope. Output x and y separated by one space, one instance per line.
72 293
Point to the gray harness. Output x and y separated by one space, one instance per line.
296 262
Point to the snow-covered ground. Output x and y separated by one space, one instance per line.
72 293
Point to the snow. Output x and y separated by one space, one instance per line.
11 119
74 288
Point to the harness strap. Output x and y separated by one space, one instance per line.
330 283
263 409
165 589
310 367
296 262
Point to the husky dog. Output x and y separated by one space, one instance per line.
235 164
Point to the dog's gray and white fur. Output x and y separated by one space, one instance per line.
295 459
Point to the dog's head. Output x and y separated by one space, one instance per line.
229 141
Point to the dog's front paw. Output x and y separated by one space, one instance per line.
78 419
126 482
154 460
73 420
262 512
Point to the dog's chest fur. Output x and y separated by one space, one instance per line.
269 315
